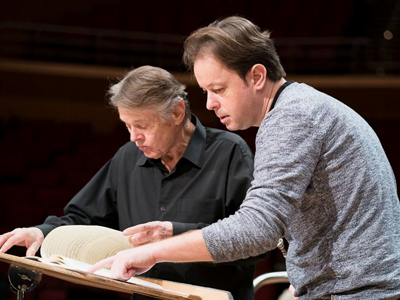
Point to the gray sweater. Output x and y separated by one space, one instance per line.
321 180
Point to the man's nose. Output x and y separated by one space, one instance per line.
134 135
211 103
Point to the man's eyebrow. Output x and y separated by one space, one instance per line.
209 85
212 84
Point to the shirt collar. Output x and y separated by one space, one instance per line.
194 150
278 93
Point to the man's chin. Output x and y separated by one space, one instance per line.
231 126
151 155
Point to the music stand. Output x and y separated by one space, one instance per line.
171 290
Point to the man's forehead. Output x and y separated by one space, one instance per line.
210 72
135 115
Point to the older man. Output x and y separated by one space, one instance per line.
321 179
175 175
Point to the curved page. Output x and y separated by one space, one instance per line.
86 243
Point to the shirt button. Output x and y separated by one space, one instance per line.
162 208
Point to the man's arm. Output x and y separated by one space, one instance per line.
187 247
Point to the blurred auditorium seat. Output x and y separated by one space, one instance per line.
53 199
13 192
188 18
22 214
38 153
164 17
43 177
89 148
329 24
13 165
67 163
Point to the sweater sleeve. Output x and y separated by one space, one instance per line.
287 151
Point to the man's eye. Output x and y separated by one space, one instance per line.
216 91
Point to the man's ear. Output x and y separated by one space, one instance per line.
179 112
258 75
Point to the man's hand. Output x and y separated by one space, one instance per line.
291 290
31 238
149 232
186 247
127 263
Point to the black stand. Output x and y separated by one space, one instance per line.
23 280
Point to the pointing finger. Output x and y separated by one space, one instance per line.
107 262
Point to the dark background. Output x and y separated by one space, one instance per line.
57 60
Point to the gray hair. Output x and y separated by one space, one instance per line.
149 87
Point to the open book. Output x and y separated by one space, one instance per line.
77 247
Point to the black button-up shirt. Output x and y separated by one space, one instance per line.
208 183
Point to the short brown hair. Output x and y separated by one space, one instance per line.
238 44
149 87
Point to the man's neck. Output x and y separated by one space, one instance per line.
176 152
271 92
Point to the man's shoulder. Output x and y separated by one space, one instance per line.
226 138
223 135
128 150
127 146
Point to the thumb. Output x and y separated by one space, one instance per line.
134 229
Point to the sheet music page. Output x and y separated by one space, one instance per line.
75 265
86 243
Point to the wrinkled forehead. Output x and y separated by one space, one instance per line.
138 114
